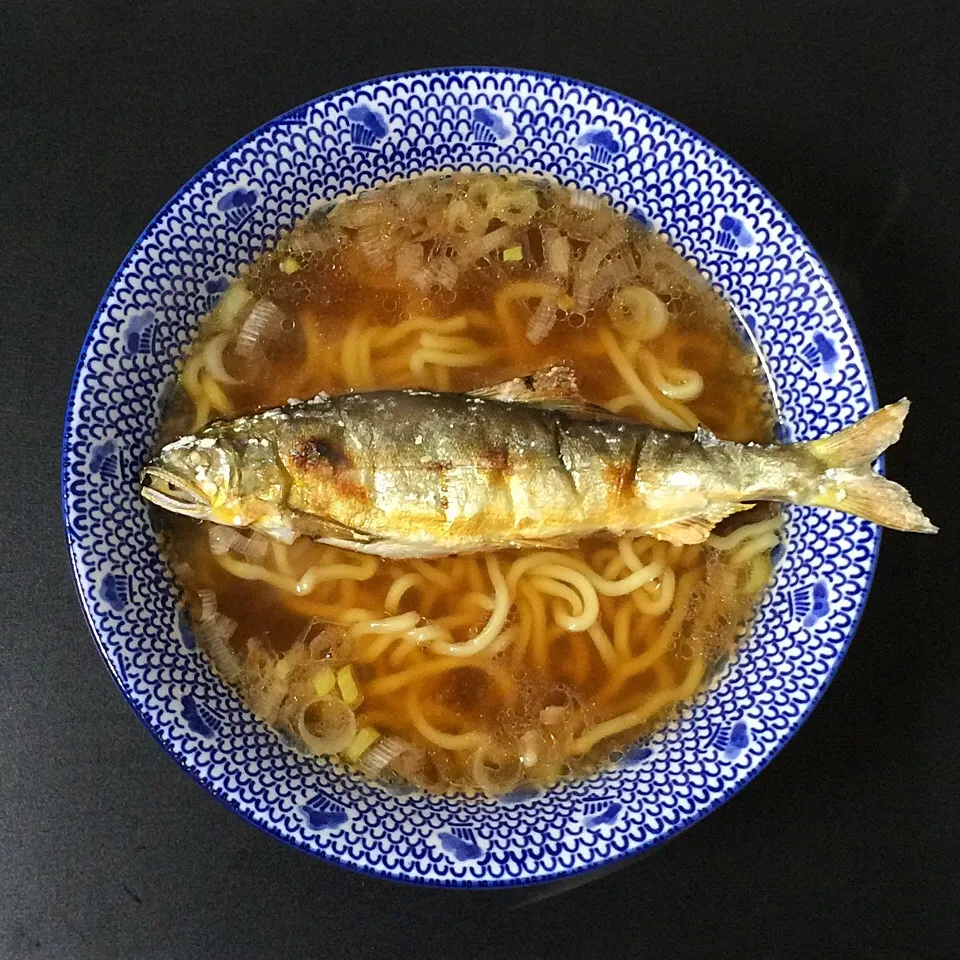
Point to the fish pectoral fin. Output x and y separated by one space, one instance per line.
554 388
697 528
565 542
323 528
277 529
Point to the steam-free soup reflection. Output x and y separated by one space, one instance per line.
475 671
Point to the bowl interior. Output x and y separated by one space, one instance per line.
478 118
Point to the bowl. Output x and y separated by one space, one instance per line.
650 166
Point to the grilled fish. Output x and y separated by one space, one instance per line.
412 473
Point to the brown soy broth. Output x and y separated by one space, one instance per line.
338 295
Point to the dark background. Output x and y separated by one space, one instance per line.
847 845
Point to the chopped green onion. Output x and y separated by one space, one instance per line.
324 680
348 686
362 741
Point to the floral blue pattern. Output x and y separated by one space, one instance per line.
648 165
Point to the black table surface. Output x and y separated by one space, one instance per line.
847 845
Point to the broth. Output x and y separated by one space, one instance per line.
453 283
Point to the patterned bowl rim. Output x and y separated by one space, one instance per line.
223 796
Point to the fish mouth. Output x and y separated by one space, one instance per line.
169 490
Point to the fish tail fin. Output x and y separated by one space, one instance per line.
862 443
866 494
849 484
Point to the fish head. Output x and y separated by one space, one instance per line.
194 476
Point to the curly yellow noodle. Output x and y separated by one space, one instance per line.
403 651
253 571
433 341
417 638
614 567
348 591
663 671
420 358
431 573
622 671
390 626
458 570
601 557
388 337
582 597
621 631
398 588
475 601
190 376
448 741
758 575
628 553
202 415
753 547
357 615
281 558
377 647
353 374
609 588
660 602
538 628
315 575
474 574
525 628
390 683
308 607
635 718
677 383
602 642
640 395
744 532
494 624
430 597
501 643
215 394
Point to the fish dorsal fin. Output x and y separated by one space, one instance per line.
705 437
554 388
697 528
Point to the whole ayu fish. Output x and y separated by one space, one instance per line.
412 473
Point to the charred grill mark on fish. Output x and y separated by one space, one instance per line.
316 453
496 461
317 459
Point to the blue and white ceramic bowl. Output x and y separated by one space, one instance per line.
489 119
